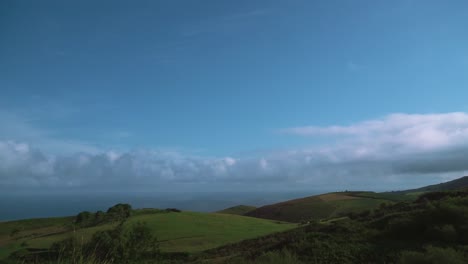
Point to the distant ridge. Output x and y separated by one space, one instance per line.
238 210
332 205
319 207
460 183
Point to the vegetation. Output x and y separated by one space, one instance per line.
186 232
432 229
345 227
456 184
129 244
321 207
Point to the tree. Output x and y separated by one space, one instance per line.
84 218
124 243
99 217
119 212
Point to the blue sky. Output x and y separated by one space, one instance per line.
230 84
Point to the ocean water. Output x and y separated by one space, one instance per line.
28 205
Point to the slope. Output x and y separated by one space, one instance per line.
238 210
320 207
457 184
177 232
405 232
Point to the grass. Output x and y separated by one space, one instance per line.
390 196
237 210
356 205
83 234
31 224
177 232
325 206
28 229
192 232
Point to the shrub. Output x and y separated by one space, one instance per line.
175 210
84 219
433 255
124 243
119 212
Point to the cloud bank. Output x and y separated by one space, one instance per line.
397 149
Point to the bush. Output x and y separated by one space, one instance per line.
175 210
271 257
84 219
124 243
119 212
433 255
99 217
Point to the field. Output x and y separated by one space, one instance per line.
28 229
177 232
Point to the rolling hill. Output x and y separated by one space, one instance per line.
319 207
238 210
332 205
404 232
457 184
176 231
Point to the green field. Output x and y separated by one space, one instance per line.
177 232
32 224
27 230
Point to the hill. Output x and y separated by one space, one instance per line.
332 205
238 210
14 233
431 229
324 206
457 184
176 231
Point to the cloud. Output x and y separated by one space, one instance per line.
397 133
20 128
394 152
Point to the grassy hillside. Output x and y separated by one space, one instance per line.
431 229
333 205
322 206
14 233
238 210
177 232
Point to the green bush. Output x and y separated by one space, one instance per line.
433 255
119 212
123 244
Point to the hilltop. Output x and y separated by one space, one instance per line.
457 184
238 210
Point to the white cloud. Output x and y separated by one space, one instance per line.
396 149
397 133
